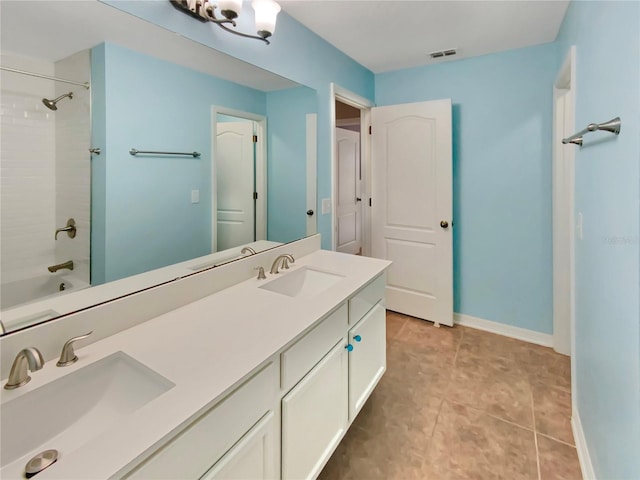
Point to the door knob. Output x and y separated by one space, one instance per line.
444 224
358 199
310 212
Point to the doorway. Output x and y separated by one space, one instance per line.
348 180
563 207
238 198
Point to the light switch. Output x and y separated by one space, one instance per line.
326 206
195 196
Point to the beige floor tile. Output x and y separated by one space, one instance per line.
557 460
423 335
395 321
549 367
489 345
414 372
496 386
469 444
552 408
365 456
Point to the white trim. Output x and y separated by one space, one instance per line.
336 92
312 172
581 446
348 122
261 170
518 333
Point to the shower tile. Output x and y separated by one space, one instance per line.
468 443
552 408
557 460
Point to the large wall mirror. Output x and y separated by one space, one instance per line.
173 158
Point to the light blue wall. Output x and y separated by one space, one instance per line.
142 205
295 52
607 39
287 159
502 125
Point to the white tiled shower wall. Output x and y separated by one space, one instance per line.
44 168
73 163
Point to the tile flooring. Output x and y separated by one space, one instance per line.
459 403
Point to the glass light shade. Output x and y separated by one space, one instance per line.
266 13
230 6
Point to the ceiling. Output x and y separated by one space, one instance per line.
395 34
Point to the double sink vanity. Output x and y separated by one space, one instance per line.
256 380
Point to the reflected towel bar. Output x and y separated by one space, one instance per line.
612 126
135 152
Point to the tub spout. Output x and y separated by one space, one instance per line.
60 266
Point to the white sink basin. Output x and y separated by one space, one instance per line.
68 412
302 282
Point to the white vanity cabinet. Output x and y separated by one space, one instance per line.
368 358
238 436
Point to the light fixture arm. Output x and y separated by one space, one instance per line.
210 16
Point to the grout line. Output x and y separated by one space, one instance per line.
556 439
535 431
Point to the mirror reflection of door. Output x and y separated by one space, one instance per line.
235 182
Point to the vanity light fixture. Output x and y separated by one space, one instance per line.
266 12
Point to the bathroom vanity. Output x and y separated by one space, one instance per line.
258 380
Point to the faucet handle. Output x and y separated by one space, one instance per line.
68 355
261 275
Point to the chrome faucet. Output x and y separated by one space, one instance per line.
28 359
285 258
248 250
68 355
60 266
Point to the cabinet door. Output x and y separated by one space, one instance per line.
254 457
368 359
314 416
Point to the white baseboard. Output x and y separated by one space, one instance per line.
523 334
581 447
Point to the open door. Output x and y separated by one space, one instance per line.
412 207
348 197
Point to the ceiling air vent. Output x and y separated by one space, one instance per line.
443 53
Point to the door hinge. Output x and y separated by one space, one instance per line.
255 195
255 139
369 129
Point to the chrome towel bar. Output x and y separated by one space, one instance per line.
135 152
612 126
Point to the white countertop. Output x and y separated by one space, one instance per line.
204 348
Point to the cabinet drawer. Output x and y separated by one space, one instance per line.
366 298
192 452
309 350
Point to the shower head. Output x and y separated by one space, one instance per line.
51 104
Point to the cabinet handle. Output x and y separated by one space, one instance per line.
357 338
349 347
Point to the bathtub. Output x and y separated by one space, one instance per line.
21 292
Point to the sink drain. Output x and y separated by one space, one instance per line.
40 462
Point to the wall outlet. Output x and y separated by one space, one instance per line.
326 206
195 196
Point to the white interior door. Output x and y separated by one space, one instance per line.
312 173
348 199
412 206
235 170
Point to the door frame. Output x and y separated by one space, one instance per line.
260 172
336 92
563 120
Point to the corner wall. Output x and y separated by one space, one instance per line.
502 128
607 326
